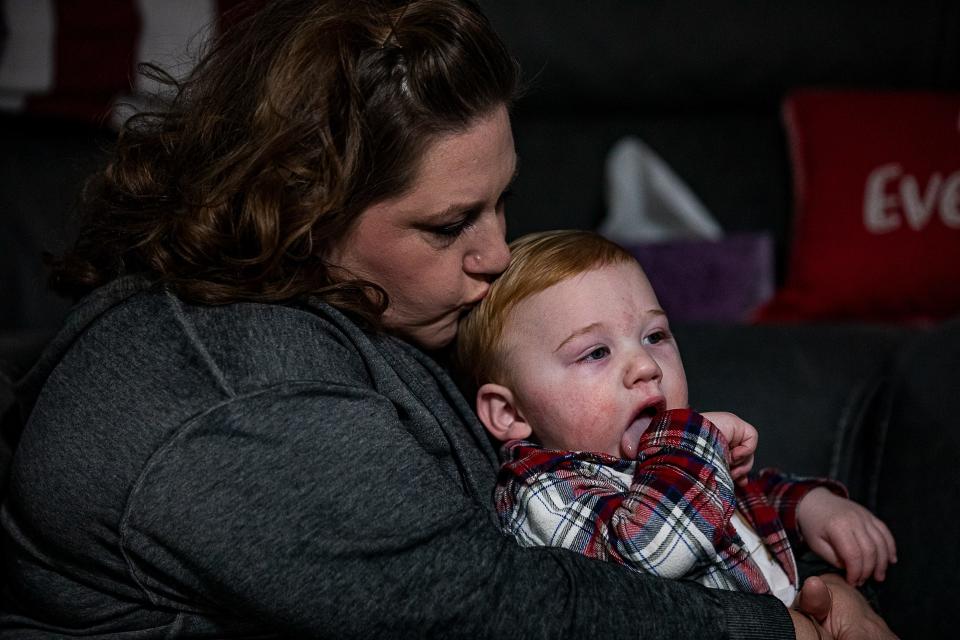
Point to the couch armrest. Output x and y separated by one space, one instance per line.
918 485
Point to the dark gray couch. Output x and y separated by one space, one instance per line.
701 83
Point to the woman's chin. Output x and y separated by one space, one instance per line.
433 336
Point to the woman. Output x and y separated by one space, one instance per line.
238 432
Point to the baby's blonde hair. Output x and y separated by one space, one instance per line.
538 261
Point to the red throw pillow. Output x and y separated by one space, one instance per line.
877 222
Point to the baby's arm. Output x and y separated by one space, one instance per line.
816 512
846 535
667 521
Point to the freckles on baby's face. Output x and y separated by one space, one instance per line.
574 418
590 353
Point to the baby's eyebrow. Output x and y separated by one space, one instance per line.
579 332
596 325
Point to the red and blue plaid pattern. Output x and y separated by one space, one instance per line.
668 513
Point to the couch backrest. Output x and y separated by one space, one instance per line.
701 83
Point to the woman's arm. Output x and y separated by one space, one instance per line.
310 508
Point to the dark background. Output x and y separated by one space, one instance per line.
702 83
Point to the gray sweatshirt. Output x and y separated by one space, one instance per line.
258 470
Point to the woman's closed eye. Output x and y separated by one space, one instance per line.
453 229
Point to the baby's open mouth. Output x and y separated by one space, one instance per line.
637 427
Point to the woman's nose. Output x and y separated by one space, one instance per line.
489 254
642 368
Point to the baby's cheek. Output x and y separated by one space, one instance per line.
593 416
573 404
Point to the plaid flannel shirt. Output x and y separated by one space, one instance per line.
667 513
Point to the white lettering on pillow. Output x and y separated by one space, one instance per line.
950 201
883 210
876 203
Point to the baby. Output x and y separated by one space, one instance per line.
580 378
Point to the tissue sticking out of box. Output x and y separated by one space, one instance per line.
648 202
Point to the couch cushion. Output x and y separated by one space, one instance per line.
799 385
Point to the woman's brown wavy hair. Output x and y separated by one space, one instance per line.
297 119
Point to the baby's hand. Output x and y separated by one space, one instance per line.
846 535
741 438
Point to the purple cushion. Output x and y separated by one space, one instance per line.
710 280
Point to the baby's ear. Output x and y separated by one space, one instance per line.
498 413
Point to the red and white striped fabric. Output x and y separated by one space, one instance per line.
77 58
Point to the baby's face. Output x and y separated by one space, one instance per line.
592 360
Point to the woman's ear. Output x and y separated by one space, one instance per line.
498 413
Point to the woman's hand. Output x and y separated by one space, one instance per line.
741 439
850 616
846 535
811 611
830 609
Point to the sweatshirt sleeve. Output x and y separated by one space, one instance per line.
310 508
669 522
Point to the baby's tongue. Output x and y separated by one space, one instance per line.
631 437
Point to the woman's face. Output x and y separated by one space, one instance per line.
435 249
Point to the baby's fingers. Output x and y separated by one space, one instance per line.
875 553
826 551
873 549
739 473
886 549
741 452
748 441
890 543
742 460
851 554
880 553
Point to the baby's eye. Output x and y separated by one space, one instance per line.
597 354
656 337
